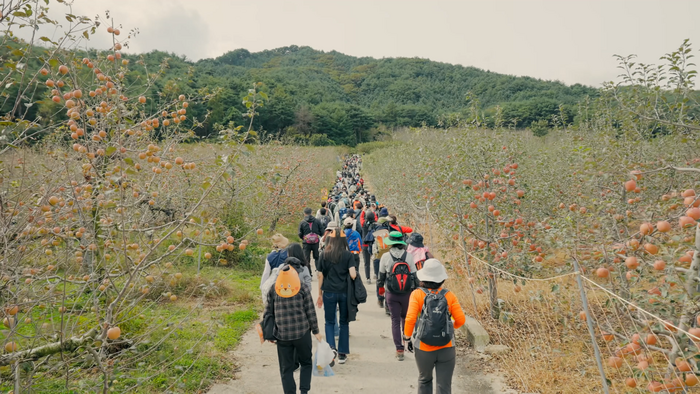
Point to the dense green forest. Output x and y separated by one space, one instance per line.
330 98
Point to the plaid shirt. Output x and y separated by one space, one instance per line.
294 316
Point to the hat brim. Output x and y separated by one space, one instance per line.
280 244
417 244
423 276
390 242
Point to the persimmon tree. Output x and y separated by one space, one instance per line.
617 194
100 203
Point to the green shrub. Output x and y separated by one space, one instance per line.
320 140
540 128
369 147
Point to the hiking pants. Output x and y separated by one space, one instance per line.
308 250
398 305
367 255
443 361
332 303
289 353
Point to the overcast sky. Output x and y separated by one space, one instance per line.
568 40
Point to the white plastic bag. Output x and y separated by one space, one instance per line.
324 372
324 355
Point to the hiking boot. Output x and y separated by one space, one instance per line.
380 303
335 355
399 355
342 358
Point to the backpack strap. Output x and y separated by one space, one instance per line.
403 257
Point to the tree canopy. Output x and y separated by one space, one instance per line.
328 97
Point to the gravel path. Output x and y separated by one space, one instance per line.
371 366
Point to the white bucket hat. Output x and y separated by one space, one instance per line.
432 271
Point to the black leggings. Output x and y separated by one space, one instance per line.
367 255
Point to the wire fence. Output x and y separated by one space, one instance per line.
566 333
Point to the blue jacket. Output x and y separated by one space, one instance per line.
354 240
277 258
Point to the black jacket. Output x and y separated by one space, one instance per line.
304 227
357 294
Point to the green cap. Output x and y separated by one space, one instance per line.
395 238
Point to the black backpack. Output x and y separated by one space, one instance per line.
400 279
434 325
324 222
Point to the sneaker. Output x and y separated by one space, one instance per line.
399 355
380 303
386 309
342 359
369 281
335 355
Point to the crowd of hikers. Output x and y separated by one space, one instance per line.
351 230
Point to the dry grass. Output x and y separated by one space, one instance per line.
550 344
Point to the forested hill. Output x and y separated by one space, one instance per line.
345 94
330 98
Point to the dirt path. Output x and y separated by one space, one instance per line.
371 368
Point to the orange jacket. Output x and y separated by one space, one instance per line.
415 306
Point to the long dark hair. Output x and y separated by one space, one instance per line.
295 250
431 285
392 218
335 246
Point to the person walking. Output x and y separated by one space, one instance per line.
354 241
324 219
332 226
310 232
292 306
334 267
367 243
395 226
396 282
418 250
319 213
276 258
429 320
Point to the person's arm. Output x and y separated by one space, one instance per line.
455 310
301 231
311 314
266 273
406 230
415 304
428 255
307 277
269 306
319 302
319 263
351 263
382 269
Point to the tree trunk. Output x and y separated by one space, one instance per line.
690 308
67 345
